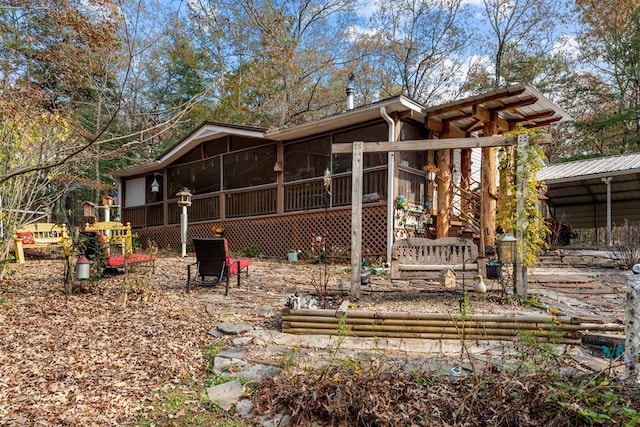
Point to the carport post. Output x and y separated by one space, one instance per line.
632 327
607 181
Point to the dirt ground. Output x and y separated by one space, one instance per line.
106 354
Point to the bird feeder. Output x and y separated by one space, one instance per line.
107 201
83 267
184 197
508 247
184 201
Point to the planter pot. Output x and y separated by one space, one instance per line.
494 270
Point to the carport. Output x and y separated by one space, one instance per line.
594 194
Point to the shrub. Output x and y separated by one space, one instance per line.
626 244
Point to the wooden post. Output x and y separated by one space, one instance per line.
632 328
520 271
356 218
465 183
443 179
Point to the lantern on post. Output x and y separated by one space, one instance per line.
184 201
508 248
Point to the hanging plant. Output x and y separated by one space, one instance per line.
523 165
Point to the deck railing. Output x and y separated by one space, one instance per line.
261 201
201 209
298 196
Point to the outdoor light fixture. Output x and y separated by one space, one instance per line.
431 171
155 186
508 247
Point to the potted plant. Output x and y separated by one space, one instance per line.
401 202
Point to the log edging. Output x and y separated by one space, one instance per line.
490 327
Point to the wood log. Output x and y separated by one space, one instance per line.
546 325
432 330
383 334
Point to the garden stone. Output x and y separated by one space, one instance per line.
226 395
265 311
257 372
242 341
234 328
245 408
280 420
214 332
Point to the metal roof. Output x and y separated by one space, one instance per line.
583 181
571 171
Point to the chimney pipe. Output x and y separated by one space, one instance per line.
350 92
349 98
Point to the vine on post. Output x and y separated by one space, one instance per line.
523 165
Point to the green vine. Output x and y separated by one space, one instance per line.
531 223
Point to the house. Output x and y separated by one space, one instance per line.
266 187
594 195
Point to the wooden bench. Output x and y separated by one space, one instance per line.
422 258
41 235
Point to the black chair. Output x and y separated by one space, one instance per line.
214 264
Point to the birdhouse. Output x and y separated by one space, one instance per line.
184 197
83 267
89 209
107 201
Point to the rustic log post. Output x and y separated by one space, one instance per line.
632 327
356 218
443 178
465 183
488 185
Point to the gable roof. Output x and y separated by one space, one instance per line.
206 131
516 105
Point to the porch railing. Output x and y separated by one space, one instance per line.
201 209
262 201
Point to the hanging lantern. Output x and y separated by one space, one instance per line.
508 247
83 267
155 186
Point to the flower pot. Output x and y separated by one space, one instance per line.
494 270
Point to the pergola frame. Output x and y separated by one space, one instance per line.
358 148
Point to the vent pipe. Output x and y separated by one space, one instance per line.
350 92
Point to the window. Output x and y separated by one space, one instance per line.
250 167
199 177
306 159
374 132
134 190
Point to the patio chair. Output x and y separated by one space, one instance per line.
93 245
214 263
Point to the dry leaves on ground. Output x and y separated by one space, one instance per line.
93 360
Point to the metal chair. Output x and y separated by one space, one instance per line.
214 263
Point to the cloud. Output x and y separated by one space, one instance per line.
366 8
568 45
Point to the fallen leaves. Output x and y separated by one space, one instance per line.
92 360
